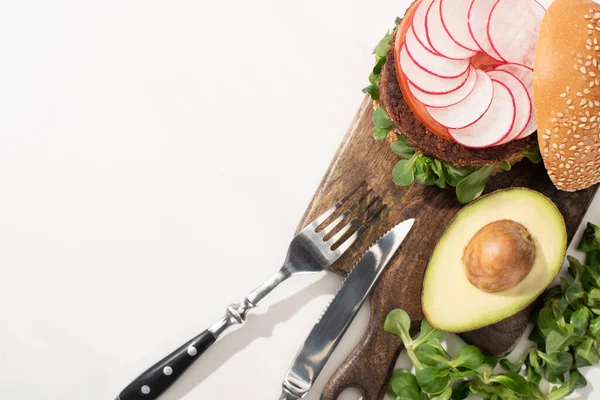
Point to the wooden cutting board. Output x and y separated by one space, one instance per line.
358 159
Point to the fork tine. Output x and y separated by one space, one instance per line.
354 221
334 224
350 241
321 218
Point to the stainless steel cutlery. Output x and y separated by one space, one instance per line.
327 333
314 249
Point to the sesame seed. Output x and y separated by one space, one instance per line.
579 94
554 120
582 102
587 91
569 102
560 115
563 95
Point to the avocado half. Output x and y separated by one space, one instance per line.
451 303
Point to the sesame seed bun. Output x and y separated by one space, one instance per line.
566 91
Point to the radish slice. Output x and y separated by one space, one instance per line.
418 24
424 80
513 29
494 125
479 15
525 75
433 63
439 39
455 17
470 109
522 102
448 99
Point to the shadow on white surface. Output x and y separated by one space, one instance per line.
256 327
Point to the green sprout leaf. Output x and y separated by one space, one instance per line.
461 391
433 355
558 341
383 46
373 91
403 173
382 124
575 268
533 154
591 239
433 380
558 363
438 170
468 357
404 386
593 257
574 293
514 367
473 185
445 395
586 353
580 319
398 323
512 381
594 328
403 148
575 381
428 333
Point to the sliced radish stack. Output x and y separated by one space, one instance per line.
448 99
495 124
513 29
443 57
418 24
455 18
433 63
438 37
523 105
426 81
478 17
525 75
471 109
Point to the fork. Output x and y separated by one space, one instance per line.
313 249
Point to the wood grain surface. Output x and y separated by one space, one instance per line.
359 159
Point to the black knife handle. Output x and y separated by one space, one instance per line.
158 378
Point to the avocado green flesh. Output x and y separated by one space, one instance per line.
451 303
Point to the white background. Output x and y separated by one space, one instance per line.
155 159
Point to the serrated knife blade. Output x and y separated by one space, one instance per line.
328 331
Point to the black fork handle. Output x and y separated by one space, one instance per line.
159 377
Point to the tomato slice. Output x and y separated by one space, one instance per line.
416 106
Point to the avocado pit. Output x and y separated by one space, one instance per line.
499 256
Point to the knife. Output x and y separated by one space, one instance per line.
328 331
